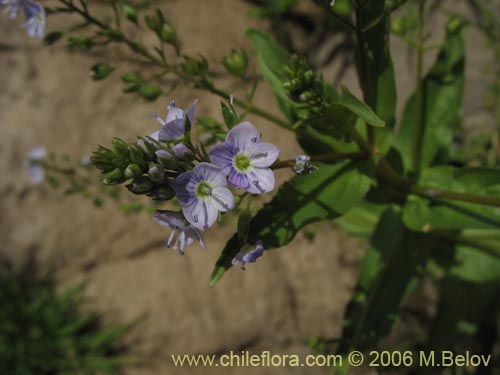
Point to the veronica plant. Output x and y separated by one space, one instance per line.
392 181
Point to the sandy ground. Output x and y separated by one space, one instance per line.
47 98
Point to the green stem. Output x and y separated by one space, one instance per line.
419 128
364 76
136 47
406 186
329 157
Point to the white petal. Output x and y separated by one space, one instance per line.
201 214
263 154
261 180
210 173
174 113
222 199
243 135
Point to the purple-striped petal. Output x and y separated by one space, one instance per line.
191 112
222 154
261 180
180 186
222 199
263 154
238 180
201 214
174 113
243 135
210 173
172 130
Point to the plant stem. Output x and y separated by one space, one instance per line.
329 157
406 186
419 128
364 76
139 48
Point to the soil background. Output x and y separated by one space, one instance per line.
47 98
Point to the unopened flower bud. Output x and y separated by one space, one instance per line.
140 185
236 63
129 13
114 177
167 34
156 174
162 193
132 171
100 71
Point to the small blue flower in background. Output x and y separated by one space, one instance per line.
185 233
33 12
173 125
245 257
245 160
303 165
202 193
35 170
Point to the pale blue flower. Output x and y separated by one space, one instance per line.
173 127
245 257
35 19
33 12
245 160
182 234
36 170
202 193
303 165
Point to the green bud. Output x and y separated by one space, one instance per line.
156 174
152 22
129 13
130 78
114 177
167 34
52 37
132 87
79 41
120 147
236 63
140 185
132 171
163 192
112 34
149 91
100 71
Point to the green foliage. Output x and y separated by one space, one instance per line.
388 272
442 91
43 332
326 194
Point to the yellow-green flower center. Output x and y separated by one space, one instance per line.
203 190
241 162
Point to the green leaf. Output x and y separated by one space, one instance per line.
149 92
388 272
360 109
229 115
362 220
442 95
272 61
422 214
374 62
468 292
325 194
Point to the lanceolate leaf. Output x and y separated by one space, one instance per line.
325 194
356 106
374 62
442 91
388 272
272 61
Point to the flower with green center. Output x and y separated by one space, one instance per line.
245 160
202 193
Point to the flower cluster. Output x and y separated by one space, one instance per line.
33 13
166 164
